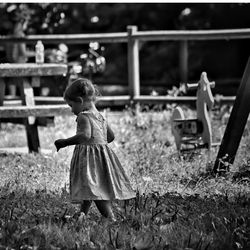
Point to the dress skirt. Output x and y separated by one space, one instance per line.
96 174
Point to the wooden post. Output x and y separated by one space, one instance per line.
27 96
2 92
236 123
205 101
183 61
133 63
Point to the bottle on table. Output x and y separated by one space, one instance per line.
39 52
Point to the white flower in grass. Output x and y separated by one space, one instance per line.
147 178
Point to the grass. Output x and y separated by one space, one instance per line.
179 204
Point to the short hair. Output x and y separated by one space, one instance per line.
82 87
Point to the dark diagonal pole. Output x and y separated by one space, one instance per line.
236 123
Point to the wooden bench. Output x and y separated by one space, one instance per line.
26 76
37 111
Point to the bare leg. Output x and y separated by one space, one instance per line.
85 206
105 208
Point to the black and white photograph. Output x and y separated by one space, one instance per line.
124 125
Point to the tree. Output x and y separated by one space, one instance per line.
69 18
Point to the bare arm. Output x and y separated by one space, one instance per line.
110 134
76 139
83 136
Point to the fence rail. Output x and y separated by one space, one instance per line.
122 37
110 101
132 37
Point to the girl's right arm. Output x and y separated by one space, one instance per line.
84 131
82 136
110 134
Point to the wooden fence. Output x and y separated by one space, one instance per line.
132 37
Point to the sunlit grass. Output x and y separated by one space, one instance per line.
179 204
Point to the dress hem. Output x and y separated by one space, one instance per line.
101 199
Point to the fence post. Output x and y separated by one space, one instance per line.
183 61
133 63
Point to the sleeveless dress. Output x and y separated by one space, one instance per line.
95 171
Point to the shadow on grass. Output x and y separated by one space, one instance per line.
46 220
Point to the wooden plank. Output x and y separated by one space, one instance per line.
32 137
133 63
147 99
121 37
27 93
38 111
236 124
179 35
12 120
40 121
68 38
32 69
124 100
49 100
103 101
27 96
141 98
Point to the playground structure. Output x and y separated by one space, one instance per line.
194 129
195 133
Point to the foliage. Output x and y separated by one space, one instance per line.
75 18
179 204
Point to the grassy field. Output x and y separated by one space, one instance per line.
179 203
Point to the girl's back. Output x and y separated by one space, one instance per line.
98 127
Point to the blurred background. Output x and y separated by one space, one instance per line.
224 61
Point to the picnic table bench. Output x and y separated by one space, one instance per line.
26 76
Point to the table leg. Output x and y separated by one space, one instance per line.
2 91
27 96
32 137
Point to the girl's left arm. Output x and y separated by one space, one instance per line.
110 134
80 137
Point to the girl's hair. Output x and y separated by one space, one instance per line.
82 87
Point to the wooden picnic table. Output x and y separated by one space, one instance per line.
26 76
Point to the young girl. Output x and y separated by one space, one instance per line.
95 171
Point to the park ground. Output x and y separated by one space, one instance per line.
180 204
